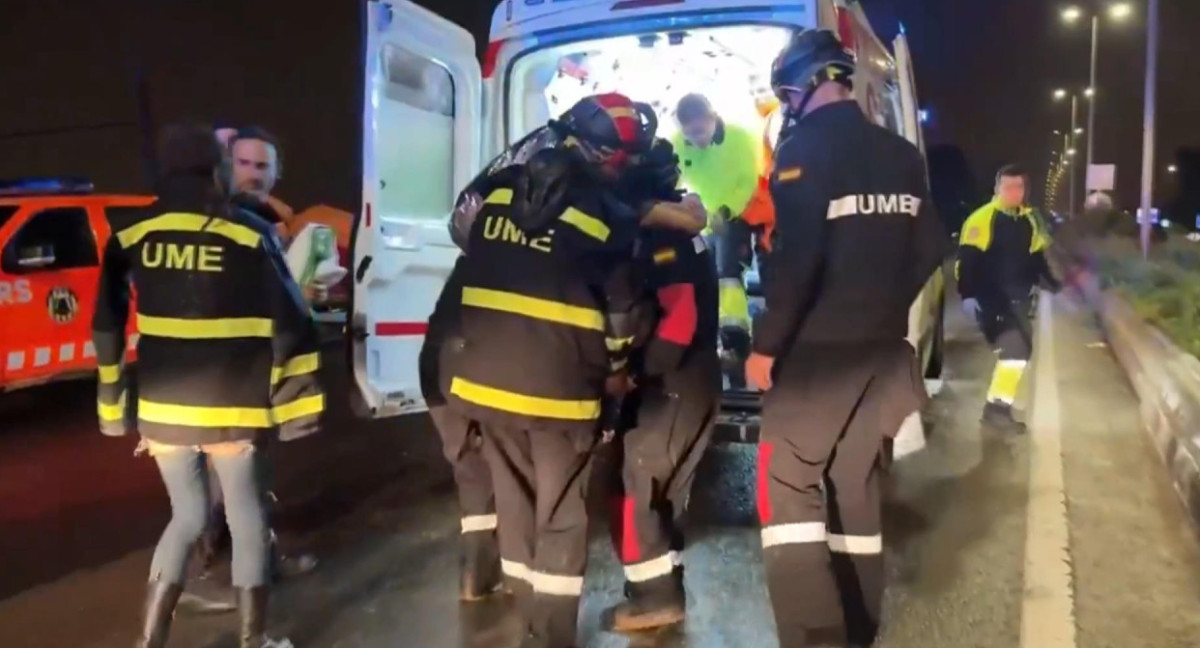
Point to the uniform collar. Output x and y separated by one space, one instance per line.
846 111
1023 210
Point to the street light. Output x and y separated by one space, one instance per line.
1071 152
1079 131
1172 169
1120 11
1071 14
1088 93
1060 94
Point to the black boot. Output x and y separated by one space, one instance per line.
479 566
651 605
999 417
252 605
156 616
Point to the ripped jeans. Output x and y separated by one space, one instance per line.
241 469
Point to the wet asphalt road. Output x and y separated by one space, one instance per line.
956 535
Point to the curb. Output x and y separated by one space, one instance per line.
1167 383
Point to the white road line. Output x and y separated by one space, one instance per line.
1048 604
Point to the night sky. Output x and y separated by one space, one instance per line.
985 69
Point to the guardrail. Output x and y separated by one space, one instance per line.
1165 378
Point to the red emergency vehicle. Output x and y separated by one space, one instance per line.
52 237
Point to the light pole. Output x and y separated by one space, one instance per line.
1118 12
1148 124
1068 150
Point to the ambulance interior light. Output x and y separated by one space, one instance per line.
44 186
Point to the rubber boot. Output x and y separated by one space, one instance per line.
156 616
252 605
999 417
646 608
479 567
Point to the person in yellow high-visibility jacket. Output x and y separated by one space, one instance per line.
722 162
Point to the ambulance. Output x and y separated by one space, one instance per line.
433 115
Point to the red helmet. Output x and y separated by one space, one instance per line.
609 127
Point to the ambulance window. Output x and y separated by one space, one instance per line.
6 212
414 131
52 239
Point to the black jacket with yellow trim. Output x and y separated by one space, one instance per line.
227 349
547 313
1001 255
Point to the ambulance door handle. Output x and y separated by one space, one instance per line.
361 271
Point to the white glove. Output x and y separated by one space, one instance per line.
971 308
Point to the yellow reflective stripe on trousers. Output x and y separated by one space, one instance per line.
109 374
589 225
297 366
542 309
112 412
615 344
1006 379
234 417
734 306
506 401
205 329
194 223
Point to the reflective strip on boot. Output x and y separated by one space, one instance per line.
854 544
648 570
476 523
1006 379
541 582
795 533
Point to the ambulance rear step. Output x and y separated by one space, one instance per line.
739 418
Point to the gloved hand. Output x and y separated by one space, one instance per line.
971 307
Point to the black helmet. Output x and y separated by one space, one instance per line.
812 57
609 127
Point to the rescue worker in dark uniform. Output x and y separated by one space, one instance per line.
462 443
548 300
227 355
678 377
855 240
1001 259
676 402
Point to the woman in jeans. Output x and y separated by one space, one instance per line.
227 355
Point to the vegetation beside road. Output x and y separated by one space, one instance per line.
1164 290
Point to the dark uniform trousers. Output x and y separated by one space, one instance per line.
659 460
462 443
540 478
820 462
1008 330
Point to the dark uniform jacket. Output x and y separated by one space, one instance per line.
1001 255
681 354
856 236
227 349
443 339
546 314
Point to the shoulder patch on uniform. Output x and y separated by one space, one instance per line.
790 175
664 256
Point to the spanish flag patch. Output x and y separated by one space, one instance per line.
664 256
790 175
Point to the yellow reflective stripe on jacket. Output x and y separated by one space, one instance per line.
178 222
499 197
506 401
112 412
617 344
206 329
733 305
233 417
109 374
542 309
977 229
298 366
589 225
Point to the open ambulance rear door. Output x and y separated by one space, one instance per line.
909 107
422 114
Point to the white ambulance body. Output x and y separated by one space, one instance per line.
433 115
